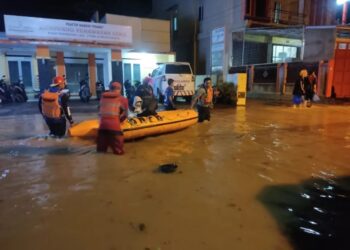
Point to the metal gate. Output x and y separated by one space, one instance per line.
341 70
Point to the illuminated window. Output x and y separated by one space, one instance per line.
284 53
342 46
127 72
136 72
175 23
132 72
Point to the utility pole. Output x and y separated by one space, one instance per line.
195 33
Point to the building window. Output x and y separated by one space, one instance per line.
20 70
136 72
284 53
172 10
127 72
342 46
200 13
277 12
131 72
100 76
174 23
14 71
27 77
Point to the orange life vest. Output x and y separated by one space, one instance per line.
50 105
109 105
209 97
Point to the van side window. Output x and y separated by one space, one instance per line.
177 69
159 72
154 72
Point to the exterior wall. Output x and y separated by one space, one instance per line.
216 14
3 66
265 12
35 72
147 34
155 35
203 57
319 43
293 12
320 12
184 39
220 13
237 17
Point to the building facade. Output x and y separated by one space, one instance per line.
118 48
250 25
243 33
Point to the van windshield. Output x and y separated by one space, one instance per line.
177 69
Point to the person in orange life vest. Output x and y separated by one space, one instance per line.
204 100
113 111
53 105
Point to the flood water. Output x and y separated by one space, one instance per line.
255 177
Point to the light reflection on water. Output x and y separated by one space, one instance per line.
4 174
240 174
312 222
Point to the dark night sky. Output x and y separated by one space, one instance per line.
80 10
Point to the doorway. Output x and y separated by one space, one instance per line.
21 69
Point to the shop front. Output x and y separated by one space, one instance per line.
34 50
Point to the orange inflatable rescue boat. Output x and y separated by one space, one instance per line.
138 127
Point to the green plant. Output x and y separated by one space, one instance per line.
228 93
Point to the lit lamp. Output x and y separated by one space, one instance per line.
345 10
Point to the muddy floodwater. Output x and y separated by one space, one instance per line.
257 177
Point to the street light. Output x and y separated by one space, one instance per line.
345 10
339 2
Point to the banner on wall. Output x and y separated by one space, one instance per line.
65 30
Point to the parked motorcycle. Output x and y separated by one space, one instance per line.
12 93
19 92
100 88
5 94
84 92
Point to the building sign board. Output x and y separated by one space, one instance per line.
65 30
287 41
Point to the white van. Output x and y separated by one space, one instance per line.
182 75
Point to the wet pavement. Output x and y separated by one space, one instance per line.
264 176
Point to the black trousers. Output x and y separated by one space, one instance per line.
203 113
57 126
309 95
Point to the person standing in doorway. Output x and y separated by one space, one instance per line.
204 100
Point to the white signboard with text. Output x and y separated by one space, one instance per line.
65 30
